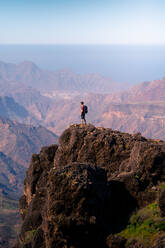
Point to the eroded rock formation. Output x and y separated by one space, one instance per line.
81 192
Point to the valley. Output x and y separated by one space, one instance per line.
36 106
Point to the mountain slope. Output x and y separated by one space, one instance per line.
148 91
19 141
11 177
82 192
153 91
33 106
11 109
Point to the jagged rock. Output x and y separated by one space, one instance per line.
76 208
98 146
77 212
135 244
78 193
144 167
23 206
38 170
159 242
162 203
131 159
114 241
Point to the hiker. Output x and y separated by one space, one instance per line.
84 110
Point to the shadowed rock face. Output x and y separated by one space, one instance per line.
131 159
162 203
80 192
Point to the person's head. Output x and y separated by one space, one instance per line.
82 103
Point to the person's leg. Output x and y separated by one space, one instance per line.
82 118
85 120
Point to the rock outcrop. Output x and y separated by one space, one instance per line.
81 192
162 203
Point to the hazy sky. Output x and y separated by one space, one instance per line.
82 21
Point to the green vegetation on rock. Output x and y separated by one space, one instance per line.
144 225
29 236
162 186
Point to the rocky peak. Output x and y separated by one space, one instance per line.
78 193
28 66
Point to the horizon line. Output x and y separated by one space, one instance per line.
83 44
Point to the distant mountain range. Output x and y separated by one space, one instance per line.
140 109
153 91
147 91
29 74
17 143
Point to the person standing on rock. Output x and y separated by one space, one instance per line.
84 110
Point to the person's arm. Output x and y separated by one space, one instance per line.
82 109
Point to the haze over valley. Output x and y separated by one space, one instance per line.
37 105
40 104
52 99
62 183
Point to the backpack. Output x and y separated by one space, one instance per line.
85 109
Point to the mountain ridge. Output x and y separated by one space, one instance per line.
65 80
140 109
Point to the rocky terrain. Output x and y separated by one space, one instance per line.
97 188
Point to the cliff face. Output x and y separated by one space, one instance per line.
81 192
